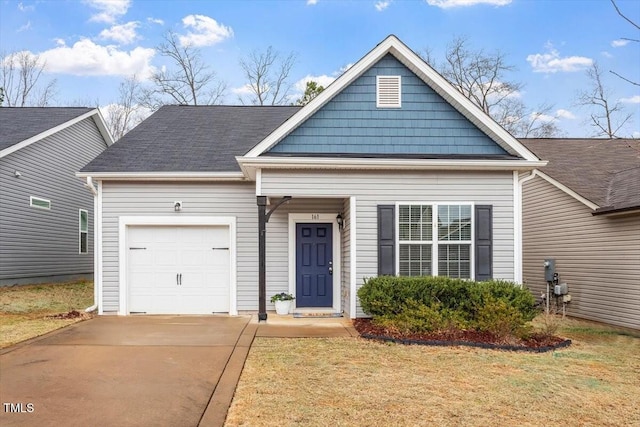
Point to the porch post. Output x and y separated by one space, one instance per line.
262 265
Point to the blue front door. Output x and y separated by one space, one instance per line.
314 265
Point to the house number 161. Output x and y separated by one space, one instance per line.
315 217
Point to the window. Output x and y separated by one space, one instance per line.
84 231
37 202
439 246
388 92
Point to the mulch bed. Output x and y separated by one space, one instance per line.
534 344
73 314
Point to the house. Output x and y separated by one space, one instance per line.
46 213
390 170
583 211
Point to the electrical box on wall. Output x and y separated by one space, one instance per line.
549 269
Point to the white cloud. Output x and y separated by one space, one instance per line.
565 114
619 43
108 10
155 21
123 34
242 90
606 54
322 80
206 32
631 100
311 2
635 134
448 4
382 5
85 58
25 27
23 8
551 62
343 69
543 117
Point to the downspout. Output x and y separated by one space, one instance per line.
520 212
94 191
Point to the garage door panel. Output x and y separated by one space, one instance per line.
180 250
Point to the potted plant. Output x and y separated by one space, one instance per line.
283 302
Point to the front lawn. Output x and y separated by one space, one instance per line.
27 311
355 382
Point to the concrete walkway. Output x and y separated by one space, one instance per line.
139 370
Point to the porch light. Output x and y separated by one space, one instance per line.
340 221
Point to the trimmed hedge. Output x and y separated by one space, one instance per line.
416 304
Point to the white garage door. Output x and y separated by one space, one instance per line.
178 269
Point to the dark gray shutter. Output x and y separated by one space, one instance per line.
386 240
484 242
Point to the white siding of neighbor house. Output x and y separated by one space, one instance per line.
199 199
597 256
39 245
388 187
346 259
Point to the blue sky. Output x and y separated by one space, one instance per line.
91 45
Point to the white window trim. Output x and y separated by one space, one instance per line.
435 242
126 221
80 231
399 104
295 218
32 198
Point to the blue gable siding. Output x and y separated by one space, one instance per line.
425 124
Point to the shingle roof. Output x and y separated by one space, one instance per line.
191 139
20 123
604 171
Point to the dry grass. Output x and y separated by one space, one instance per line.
354 382
25 310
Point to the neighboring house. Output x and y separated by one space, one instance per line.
583 210
390 170
46 213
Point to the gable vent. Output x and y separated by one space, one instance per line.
388 92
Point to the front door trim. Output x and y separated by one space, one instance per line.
294 219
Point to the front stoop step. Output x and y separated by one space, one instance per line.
316 315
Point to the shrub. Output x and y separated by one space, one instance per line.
424 304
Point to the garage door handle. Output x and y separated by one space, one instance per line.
179 279
220 249
137 249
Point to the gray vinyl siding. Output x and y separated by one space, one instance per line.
346 259
388 187
597 256
199 199
351 123
39 244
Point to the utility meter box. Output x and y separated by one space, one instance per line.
561 289
549 269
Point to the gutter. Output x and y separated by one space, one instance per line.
94 191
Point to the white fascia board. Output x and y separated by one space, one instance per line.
53 130
560 186
163 176
247 164
405 55
102 127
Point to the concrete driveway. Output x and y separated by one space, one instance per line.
127 371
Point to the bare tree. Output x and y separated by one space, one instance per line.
187 81
20 79
482 78
267 74
126 113
607 116
626 18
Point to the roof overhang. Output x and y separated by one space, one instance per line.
249 165
613 211
94 114
163 176
411 60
